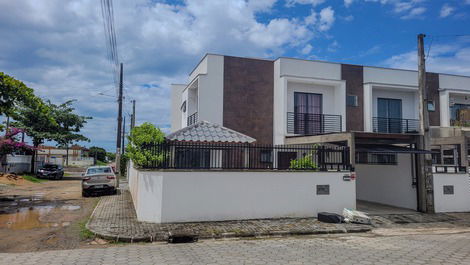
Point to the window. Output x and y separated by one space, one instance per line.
351 100
376 159
431 106
183 107
266 156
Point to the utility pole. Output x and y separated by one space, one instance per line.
123 135
425 185
119 125
133 114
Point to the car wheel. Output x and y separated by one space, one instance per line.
84 193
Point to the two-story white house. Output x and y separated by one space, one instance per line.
372 110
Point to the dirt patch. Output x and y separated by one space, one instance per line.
13 179
43 216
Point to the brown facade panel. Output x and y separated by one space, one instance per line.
432 84
354 77
249 97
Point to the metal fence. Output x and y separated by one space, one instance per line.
395 125
313 124
192 119
191 155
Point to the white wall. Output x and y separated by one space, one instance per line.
390 76
176 96
185 196
387 184
457 202
454 82
211 91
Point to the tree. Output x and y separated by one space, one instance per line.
37 120
110 156
145 134
68 125
14 93
98 153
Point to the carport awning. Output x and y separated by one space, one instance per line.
388 149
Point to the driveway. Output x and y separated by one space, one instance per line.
43 216
353 249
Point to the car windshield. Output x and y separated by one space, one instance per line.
50 167
98 170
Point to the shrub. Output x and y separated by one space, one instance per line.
140 137
305 162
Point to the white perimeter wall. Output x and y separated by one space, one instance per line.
387 184
457 202
179 196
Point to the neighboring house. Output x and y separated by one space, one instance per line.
372 110
77 155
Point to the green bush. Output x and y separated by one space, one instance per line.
305 162
145 134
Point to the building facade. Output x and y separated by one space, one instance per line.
373 110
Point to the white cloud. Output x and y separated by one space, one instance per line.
304 2
307 49
347 3
58 48
447 58
446 10
406 9
327 18
414 13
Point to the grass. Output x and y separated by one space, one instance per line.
85 233
67 174
33 178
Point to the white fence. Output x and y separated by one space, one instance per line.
17 164
186 196
451 192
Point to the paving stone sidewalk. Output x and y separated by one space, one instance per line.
115 218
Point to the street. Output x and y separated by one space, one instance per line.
345 249
44 216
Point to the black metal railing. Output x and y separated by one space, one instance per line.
192 119
395 125
313 124
449 169
195 155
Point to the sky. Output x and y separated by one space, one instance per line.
58 47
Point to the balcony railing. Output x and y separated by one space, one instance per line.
395 125
192 119
313 124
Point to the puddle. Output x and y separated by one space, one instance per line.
70 207
29 213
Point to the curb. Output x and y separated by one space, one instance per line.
229 235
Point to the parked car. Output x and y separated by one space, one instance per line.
50 171
99 179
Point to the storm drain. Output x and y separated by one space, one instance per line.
181 237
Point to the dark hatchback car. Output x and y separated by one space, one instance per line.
50 171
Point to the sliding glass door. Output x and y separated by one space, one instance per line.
308 113
389 115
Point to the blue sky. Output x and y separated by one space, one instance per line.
58 47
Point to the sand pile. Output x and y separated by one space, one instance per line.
12 178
